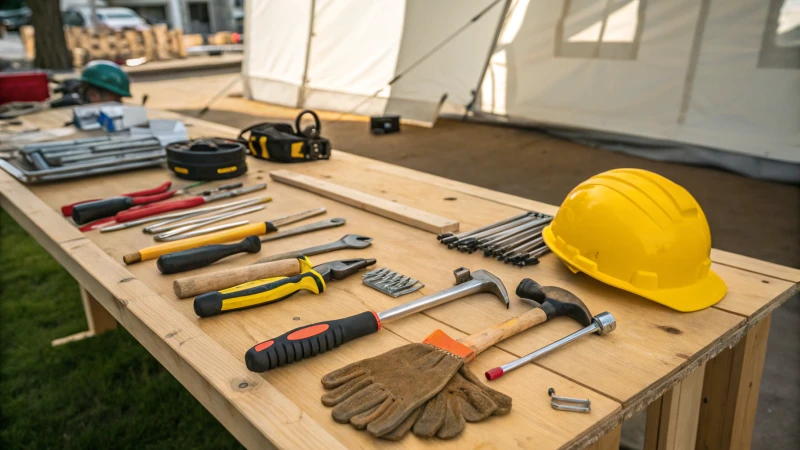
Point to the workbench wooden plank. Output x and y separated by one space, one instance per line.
609 441
730 392
672 421
750 293
408 215
756 266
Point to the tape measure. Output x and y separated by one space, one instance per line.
207 159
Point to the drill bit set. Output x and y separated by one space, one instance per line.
516 240
390 282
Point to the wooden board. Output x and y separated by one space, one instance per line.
672 420
408 215
657 347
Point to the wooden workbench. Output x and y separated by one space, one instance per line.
657 358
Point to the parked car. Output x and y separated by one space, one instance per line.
12 19
115 19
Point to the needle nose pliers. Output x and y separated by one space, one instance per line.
270 290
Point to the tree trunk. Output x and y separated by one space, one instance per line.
51 46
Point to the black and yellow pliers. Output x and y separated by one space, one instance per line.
270 290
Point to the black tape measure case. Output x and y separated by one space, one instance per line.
279 142
207 159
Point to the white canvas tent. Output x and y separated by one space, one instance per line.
710 81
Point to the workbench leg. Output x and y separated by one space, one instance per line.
730 392
609 441
97 318
672 420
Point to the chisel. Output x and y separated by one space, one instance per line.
219 237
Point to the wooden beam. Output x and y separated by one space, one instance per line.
609 441
98 320
376 205
730 392
673 419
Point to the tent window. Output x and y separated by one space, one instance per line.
780 47
606 29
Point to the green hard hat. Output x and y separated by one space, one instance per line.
108 76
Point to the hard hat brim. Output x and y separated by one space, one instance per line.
106 86
700 295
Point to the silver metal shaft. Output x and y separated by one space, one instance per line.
490 226
502 228
519 228
602 323
176 233
480 281
511 239
321 225
224 226
180 215
172 224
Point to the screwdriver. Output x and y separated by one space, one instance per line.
270 290
173 205
209 254
219 237
91 210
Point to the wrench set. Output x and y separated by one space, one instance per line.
390 282
516 240
61 160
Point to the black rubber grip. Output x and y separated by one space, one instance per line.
90 211
214 303
206 255
310 340
531 290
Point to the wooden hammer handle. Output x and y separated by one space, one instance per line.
487 338
215 281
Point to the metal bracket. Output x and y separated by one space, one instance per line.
569 403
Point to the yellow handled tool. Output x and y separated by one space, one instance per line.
219 237
270 290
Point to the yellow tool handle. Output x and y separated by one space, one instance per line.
219 237
256 293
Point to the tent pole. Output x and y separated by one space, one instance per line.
301 92
500 25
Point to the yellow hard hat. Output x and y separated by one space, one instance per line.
640 232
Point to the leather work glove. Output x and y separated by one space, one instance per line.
464 399
379 393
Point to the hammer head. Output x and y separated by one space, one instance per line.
555 301
488 283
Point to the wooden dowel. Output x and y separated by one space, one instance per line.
209 282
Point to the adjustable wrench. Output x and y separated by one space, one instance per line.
353 241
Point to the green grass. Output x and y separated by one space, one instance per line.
103 392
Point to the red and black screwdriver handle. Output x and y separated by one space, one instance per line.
310 340
158 208
66 210
87 212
